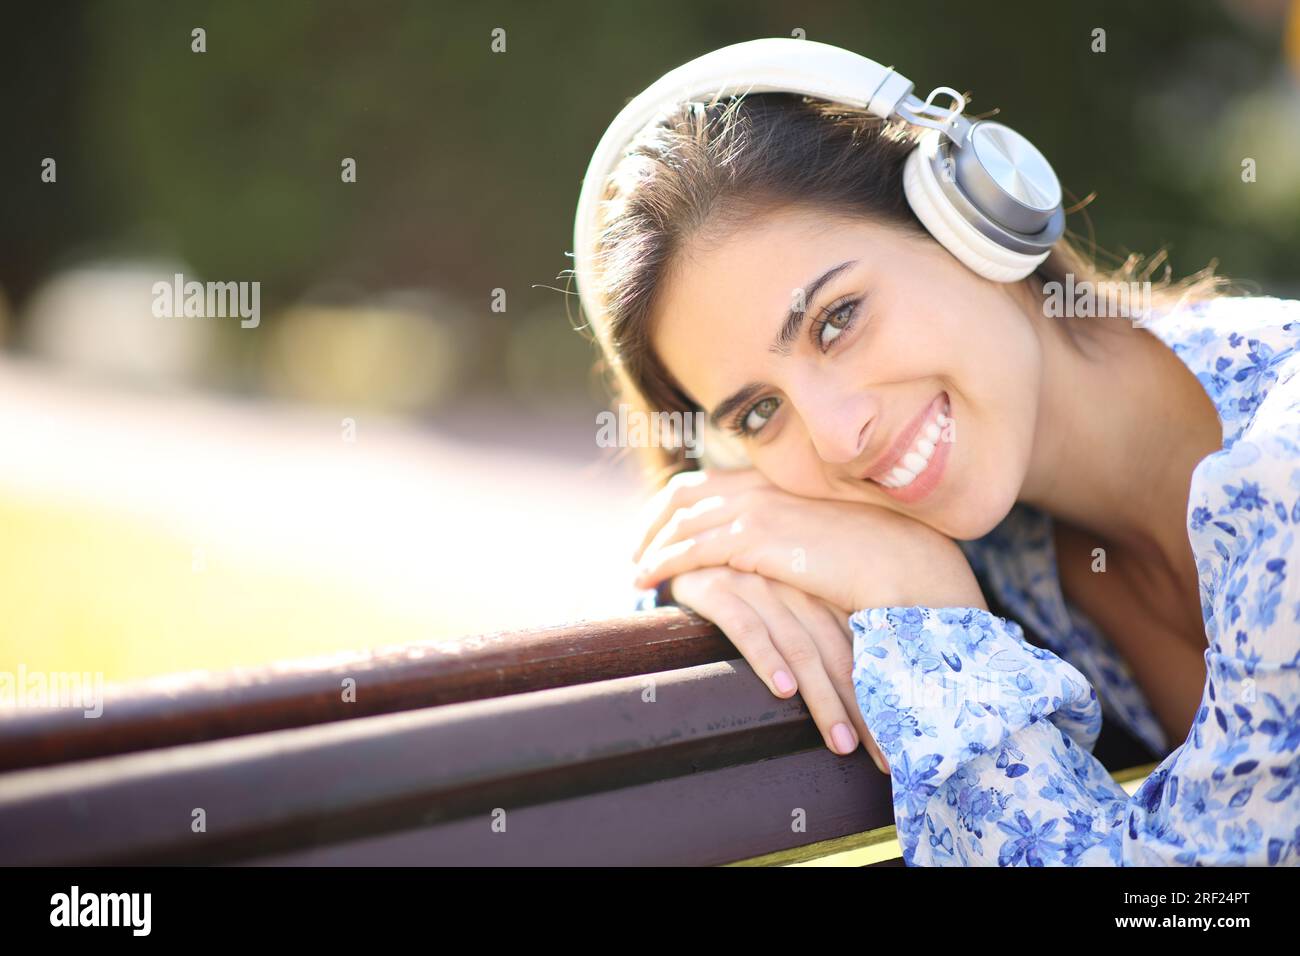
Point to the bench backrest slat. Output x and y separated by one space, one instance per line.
704 819
189 708
344 780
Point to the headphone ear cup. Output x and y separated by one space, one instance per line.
976 250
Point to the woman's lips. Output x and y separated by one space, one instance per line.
907 438
916 460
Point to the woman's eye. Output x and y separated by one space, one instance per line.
834 321
835 324
758 415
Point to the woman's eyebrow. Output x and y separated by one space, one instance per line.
794 321
784 339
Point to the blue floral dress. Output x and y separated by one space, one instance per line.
989 737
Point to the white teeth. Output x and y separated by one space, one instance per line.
914 462
902 476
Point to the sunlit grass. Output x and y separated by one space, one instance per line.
88 590
144 532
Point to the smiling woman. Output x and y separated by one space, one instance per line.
768 187
920 429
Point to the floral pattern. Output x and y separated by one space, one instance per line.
990 738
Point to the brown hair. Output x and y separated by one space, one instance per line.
703 170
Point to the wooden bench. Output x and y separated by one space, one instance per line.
642 740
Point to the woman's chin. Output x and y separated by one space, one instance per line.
968 513
975 519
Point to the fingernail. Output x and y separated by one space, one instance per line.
783 681
845 742
880 764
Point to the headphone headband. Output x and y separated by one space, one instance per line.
982 190
770 64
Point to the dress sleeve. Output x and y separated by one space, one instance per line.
989 738
1231 793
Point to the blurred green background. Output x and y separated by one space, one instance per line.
469 161
377 296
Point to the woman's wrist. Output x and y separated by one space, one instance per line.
938 577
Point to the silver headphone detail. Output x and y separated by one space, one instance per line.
984 191
992 176
981 189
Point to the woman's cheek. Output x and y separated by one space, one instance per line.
790 470
985 483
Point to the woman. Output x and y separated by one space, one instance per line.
914 436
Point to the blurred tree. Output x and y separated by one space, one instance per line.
468 161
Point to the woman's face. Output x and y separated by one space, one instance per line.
910 382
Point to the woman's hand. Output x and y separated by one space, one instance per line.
793 641
851 555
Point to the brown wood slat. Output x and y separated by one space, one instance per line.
703 819
189 708
344 780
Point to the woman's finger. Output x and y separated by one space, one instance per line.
801 652
740 545
841 617
744 627
820 621
686 488
712 547
708 512
664 503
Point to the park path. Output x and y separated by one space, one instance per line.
150 532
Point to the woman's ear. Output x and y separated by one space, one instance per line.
721 450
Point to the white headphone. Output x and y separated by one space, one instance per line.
982 190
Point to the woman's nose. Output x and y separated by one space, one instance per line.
838 429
